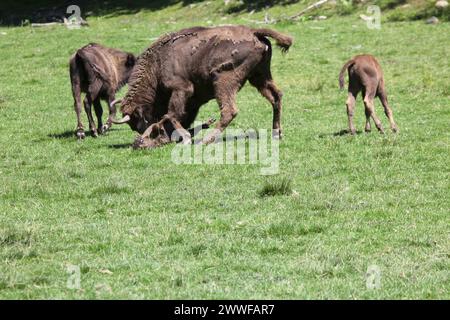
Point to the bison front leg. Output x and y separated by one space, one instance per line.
176 111
169 129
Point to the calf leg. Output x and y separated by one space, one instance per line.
351 100
91 96
387 109
76 91
80 130
99 113
88 109
369 105
194 131
368 127
112 114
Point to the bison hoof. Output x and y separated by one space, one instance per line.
94 133
80 134
186 141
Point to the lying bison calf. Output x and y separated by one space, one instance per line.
99 72
365 75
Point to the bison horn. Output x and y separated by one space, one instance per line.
122 121
112 104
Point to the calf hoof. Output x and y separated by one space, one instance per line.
138 142
395 130
211 138
80 134
276 134
103 129
210 121
353 132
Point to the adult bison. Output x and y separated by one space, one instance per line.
182 71
99 72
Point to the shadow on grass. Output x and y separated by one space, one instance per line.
255 5
121 146
71 134
62 135
42 11
344 132
227 138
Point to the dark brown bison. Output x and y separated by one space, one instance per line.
365 75
99 72
182 71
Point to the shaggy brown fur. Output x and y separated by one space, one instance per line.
365 75
99 72
182 71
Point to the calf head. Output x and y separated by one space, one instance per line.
155 136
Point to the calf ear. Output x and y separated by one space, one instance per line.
131 60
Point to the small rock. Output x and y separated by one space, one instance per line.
321 18
432 20
441 4
102 288
105 271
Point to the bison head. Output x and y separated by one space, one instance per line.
152 133
136 119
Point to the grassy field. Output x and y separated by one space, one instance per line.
139 226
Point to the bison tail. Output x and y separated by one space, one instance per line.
347 65
283 41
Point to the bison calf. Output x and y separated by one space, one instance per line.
99 72
365 75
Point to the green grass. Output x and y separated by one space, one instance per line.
139 226
282 186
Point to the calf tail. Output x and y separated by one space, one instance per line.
283 41
347 65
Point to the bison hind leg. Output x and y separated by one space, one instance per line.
268 89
